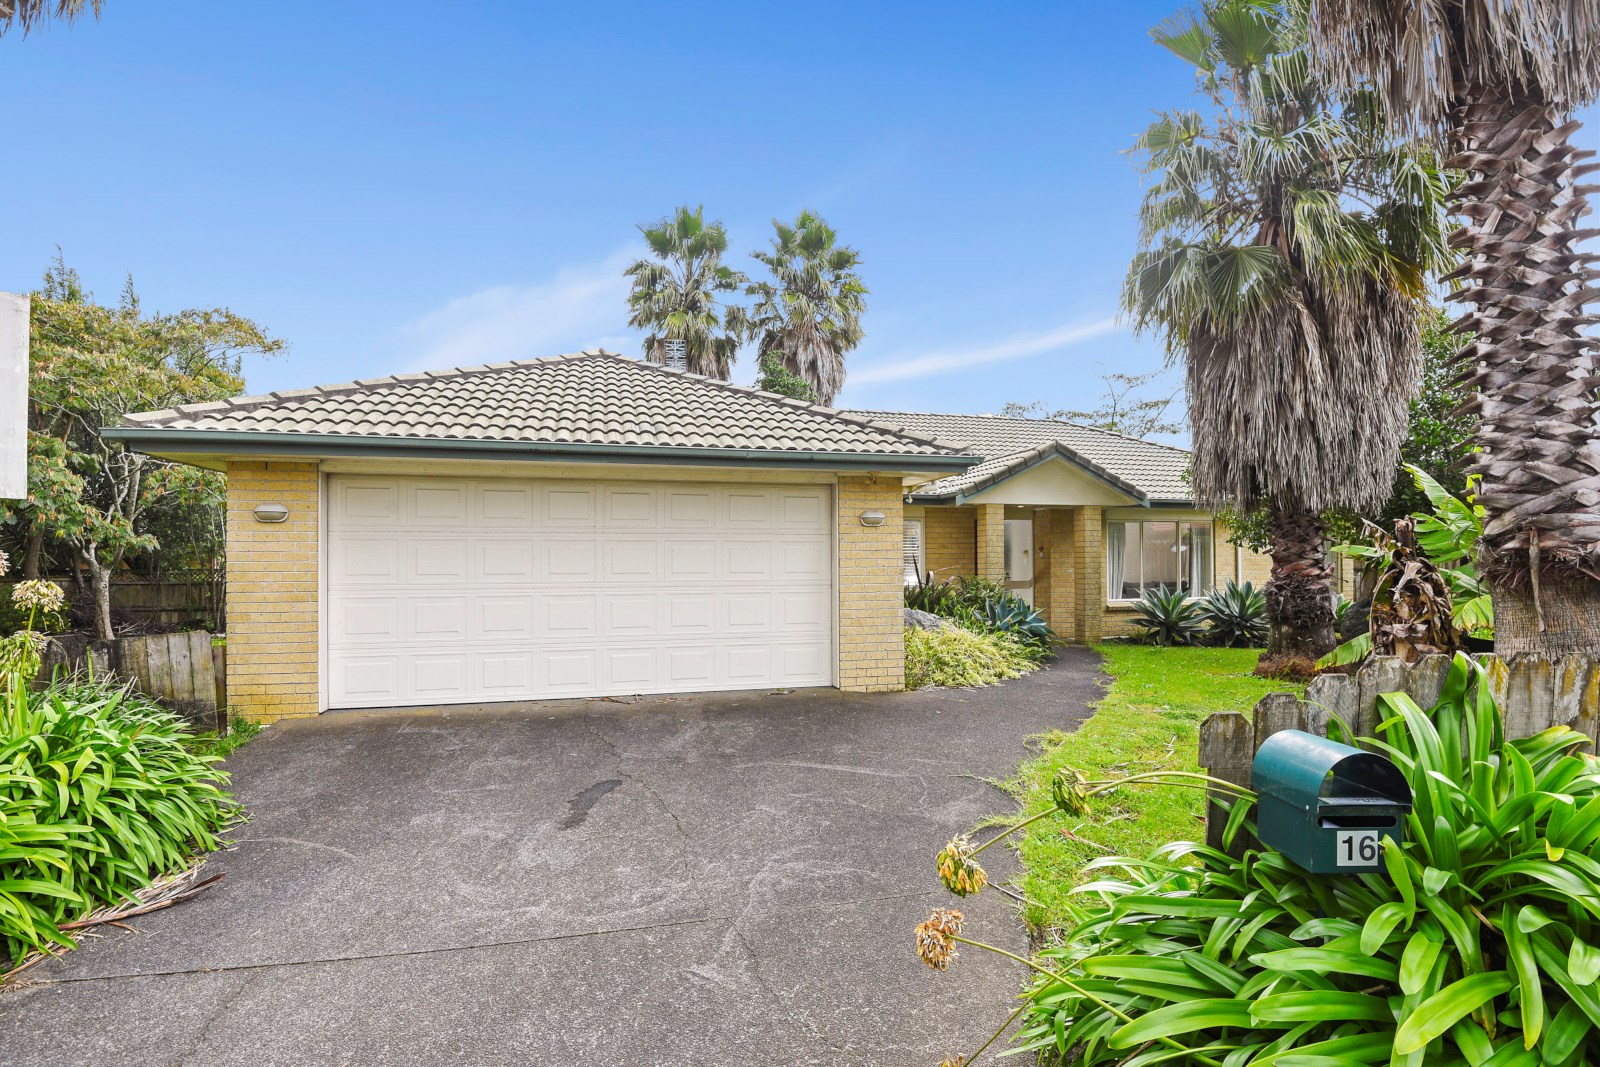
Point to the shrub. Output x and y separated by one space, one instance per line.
959 657
98 795
1010 614
1478 944
1169 617
1235 616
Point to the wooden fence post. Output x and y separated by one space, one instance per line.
1227 745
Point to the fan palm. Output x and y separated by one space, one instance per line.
1284 244
1496 81
809 315
675 294
29 13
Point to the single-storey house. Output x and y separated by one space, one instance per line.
592 525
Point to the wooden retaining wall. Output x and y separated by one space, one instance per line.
1533 695
180 671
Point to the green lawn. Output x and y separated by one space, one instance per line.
1149 720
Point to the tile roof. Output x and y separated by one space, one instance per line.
1143 468
595 398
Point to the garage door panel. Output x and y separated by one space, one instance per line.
630 508
569 506
569 615
689 509
458 590
436 504
505 505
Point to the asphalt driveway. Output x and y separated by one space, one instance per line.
727 880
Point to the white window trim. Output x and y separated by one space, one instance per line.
1125 600
922 550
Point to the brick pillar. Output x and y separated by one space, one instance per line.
1043 576
1061 611
872 646
991 519
1088 565
273 583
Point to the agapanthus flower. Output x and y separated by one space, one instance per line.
38 595
1068 790
958 871
936 936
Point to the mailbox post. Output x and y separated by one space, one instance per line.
1327 806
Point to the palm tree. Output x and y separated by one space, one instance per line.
1496 83
675 294
809 315
29 13
1284 244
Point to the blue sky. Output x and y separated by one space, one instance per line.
397 186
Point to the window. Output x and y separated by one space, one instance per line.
911 551
1141 556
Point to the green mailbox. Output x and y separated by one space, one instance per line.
1325 805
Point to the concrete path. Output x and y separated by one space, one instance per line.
728 880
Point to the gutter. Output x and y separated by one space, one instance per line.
246 442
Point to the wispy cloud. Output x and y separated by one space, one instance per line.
580 307
959 359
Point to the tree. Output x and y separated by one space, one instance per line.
1438 432
675 294
1121 410
89 366
30 13
1497 83
809 315
1283 247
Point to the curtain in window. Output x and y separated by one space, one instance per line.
1116 558
1197 541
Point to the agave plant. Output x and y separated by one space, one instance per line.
1169 617
1235 616
1479 942
1009 614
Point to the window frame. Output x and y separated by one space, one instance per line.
1209 522
922 551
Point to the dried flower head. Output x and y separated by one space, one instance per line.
5 564
958 871
1069 790
38 595
936 936
959 1061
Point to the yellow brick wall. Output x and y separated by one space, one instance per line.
949 541
1088 568
872 648
273 634
991 534
1043 573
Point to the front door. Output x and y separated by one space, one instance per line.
1019 558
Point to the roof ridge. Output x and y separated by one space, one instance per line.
1026 419
252 401
838 414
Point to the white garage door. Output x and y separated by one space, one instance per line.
453 590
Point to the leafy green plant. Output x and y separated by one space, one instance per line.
1448 539
1479 942
959 657
98 796
1169 617
1235 616
1010 614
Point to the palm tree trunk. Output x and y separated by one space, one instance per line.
1299 595
1533 368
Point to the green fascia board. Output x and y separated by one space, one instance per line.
245 442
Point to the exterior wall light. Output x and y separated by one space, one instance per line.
873 518
270 512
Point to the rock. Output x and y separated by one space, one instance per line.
924 620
